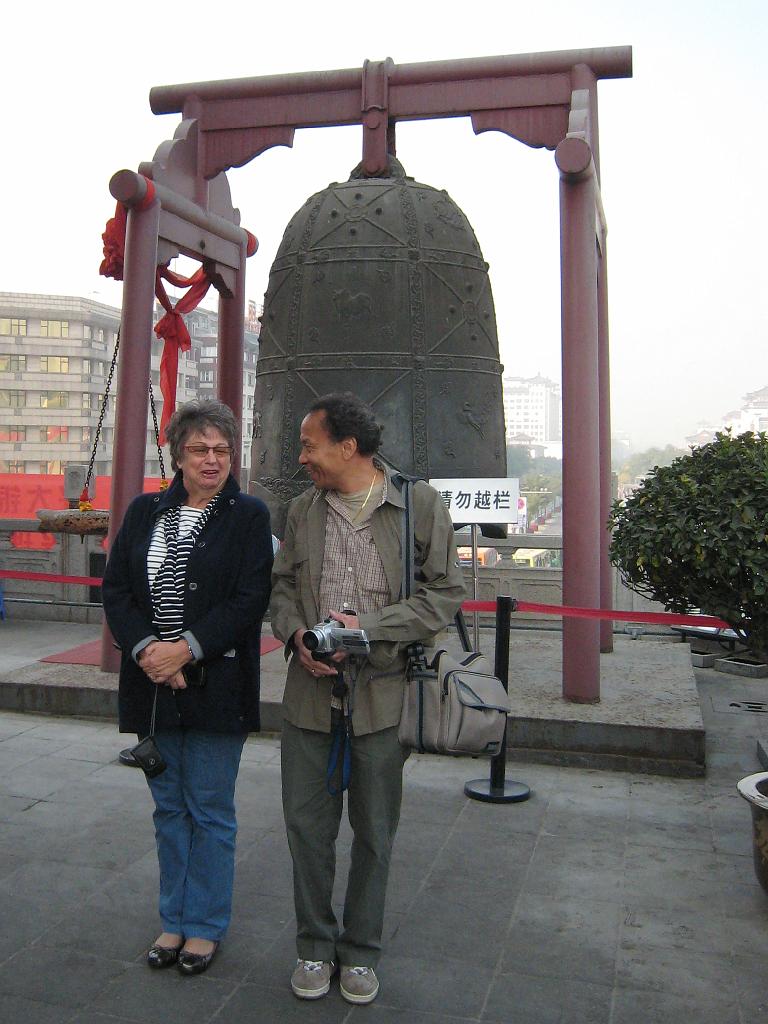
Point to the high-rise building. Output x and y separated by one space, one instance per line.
55 357
532 410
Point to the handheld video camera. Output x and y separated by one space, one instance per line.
329 636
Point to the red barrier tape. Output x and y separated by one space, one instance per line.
50 577
567 611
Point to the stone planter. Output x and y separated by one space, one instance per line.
742 666
702 660
754 789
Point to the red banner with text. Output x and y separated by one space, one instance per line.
22 494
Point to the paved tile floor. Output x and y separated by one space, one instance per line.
605 898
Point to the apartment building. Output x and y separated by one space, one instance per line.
532 410
55 357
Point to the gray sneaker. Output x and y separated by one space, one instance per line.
358 984
311 979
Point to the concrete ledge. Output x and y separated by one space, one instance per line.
648 718
607 762
50 699
603 741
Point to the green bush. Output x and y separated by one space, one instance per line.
694 535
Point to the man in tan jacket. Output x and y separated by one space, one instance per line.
341 557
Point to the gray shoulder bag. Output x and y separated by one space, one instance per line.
450 706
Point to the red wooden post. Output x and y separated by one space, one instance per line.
604 389
231 351
581 468
130 442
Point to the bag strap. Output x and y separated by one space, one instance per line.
409 559
409 570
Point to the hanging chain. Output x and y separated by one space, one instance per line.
157 433
102 413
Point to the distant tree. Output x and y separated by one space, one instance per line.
518 461
694 535
637 465
548 466
540 489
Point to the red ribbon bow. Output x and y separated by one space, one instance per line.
171 328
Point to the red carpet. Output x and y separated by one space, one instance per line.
90 653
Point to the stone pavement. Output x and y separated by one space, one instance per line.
607 898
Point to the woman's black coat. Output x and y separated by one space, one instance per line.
226 594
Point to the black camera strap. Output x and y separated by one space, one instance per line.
154 712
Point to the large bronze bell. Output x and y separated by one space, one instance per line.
379 287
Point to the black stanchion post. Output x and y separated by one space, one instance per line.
496 790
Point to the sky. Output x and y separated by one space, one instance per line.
683 161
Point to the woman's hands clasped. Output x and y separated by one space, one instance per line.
163 660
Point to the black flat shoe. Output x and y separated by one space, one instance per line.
196 963
161 956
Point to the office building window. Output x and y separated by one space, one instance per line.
87 332
9 434
54 435
12 363
54 399
91 400
206 376
54 328
86 366
52 466
54 364
87 436
12 399
11 466
10 325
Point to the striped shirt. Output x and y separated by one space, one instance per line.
157 548
169 551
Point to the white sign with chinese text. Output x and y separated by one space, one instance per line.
491 500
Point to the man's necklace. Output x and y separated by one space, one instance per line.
370 492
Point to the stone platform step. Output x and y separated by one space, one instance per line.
648 718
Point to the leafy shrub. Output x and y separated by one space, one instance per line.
694 535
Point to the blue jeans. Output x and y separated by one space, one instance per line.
195 829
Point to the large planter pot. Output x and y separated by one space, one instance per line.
754 789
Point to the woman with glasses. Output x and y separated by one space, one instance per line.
185 589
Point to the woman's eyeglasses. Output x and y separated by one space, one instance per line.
221 451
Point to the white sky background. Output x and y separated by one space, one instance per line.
683 153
